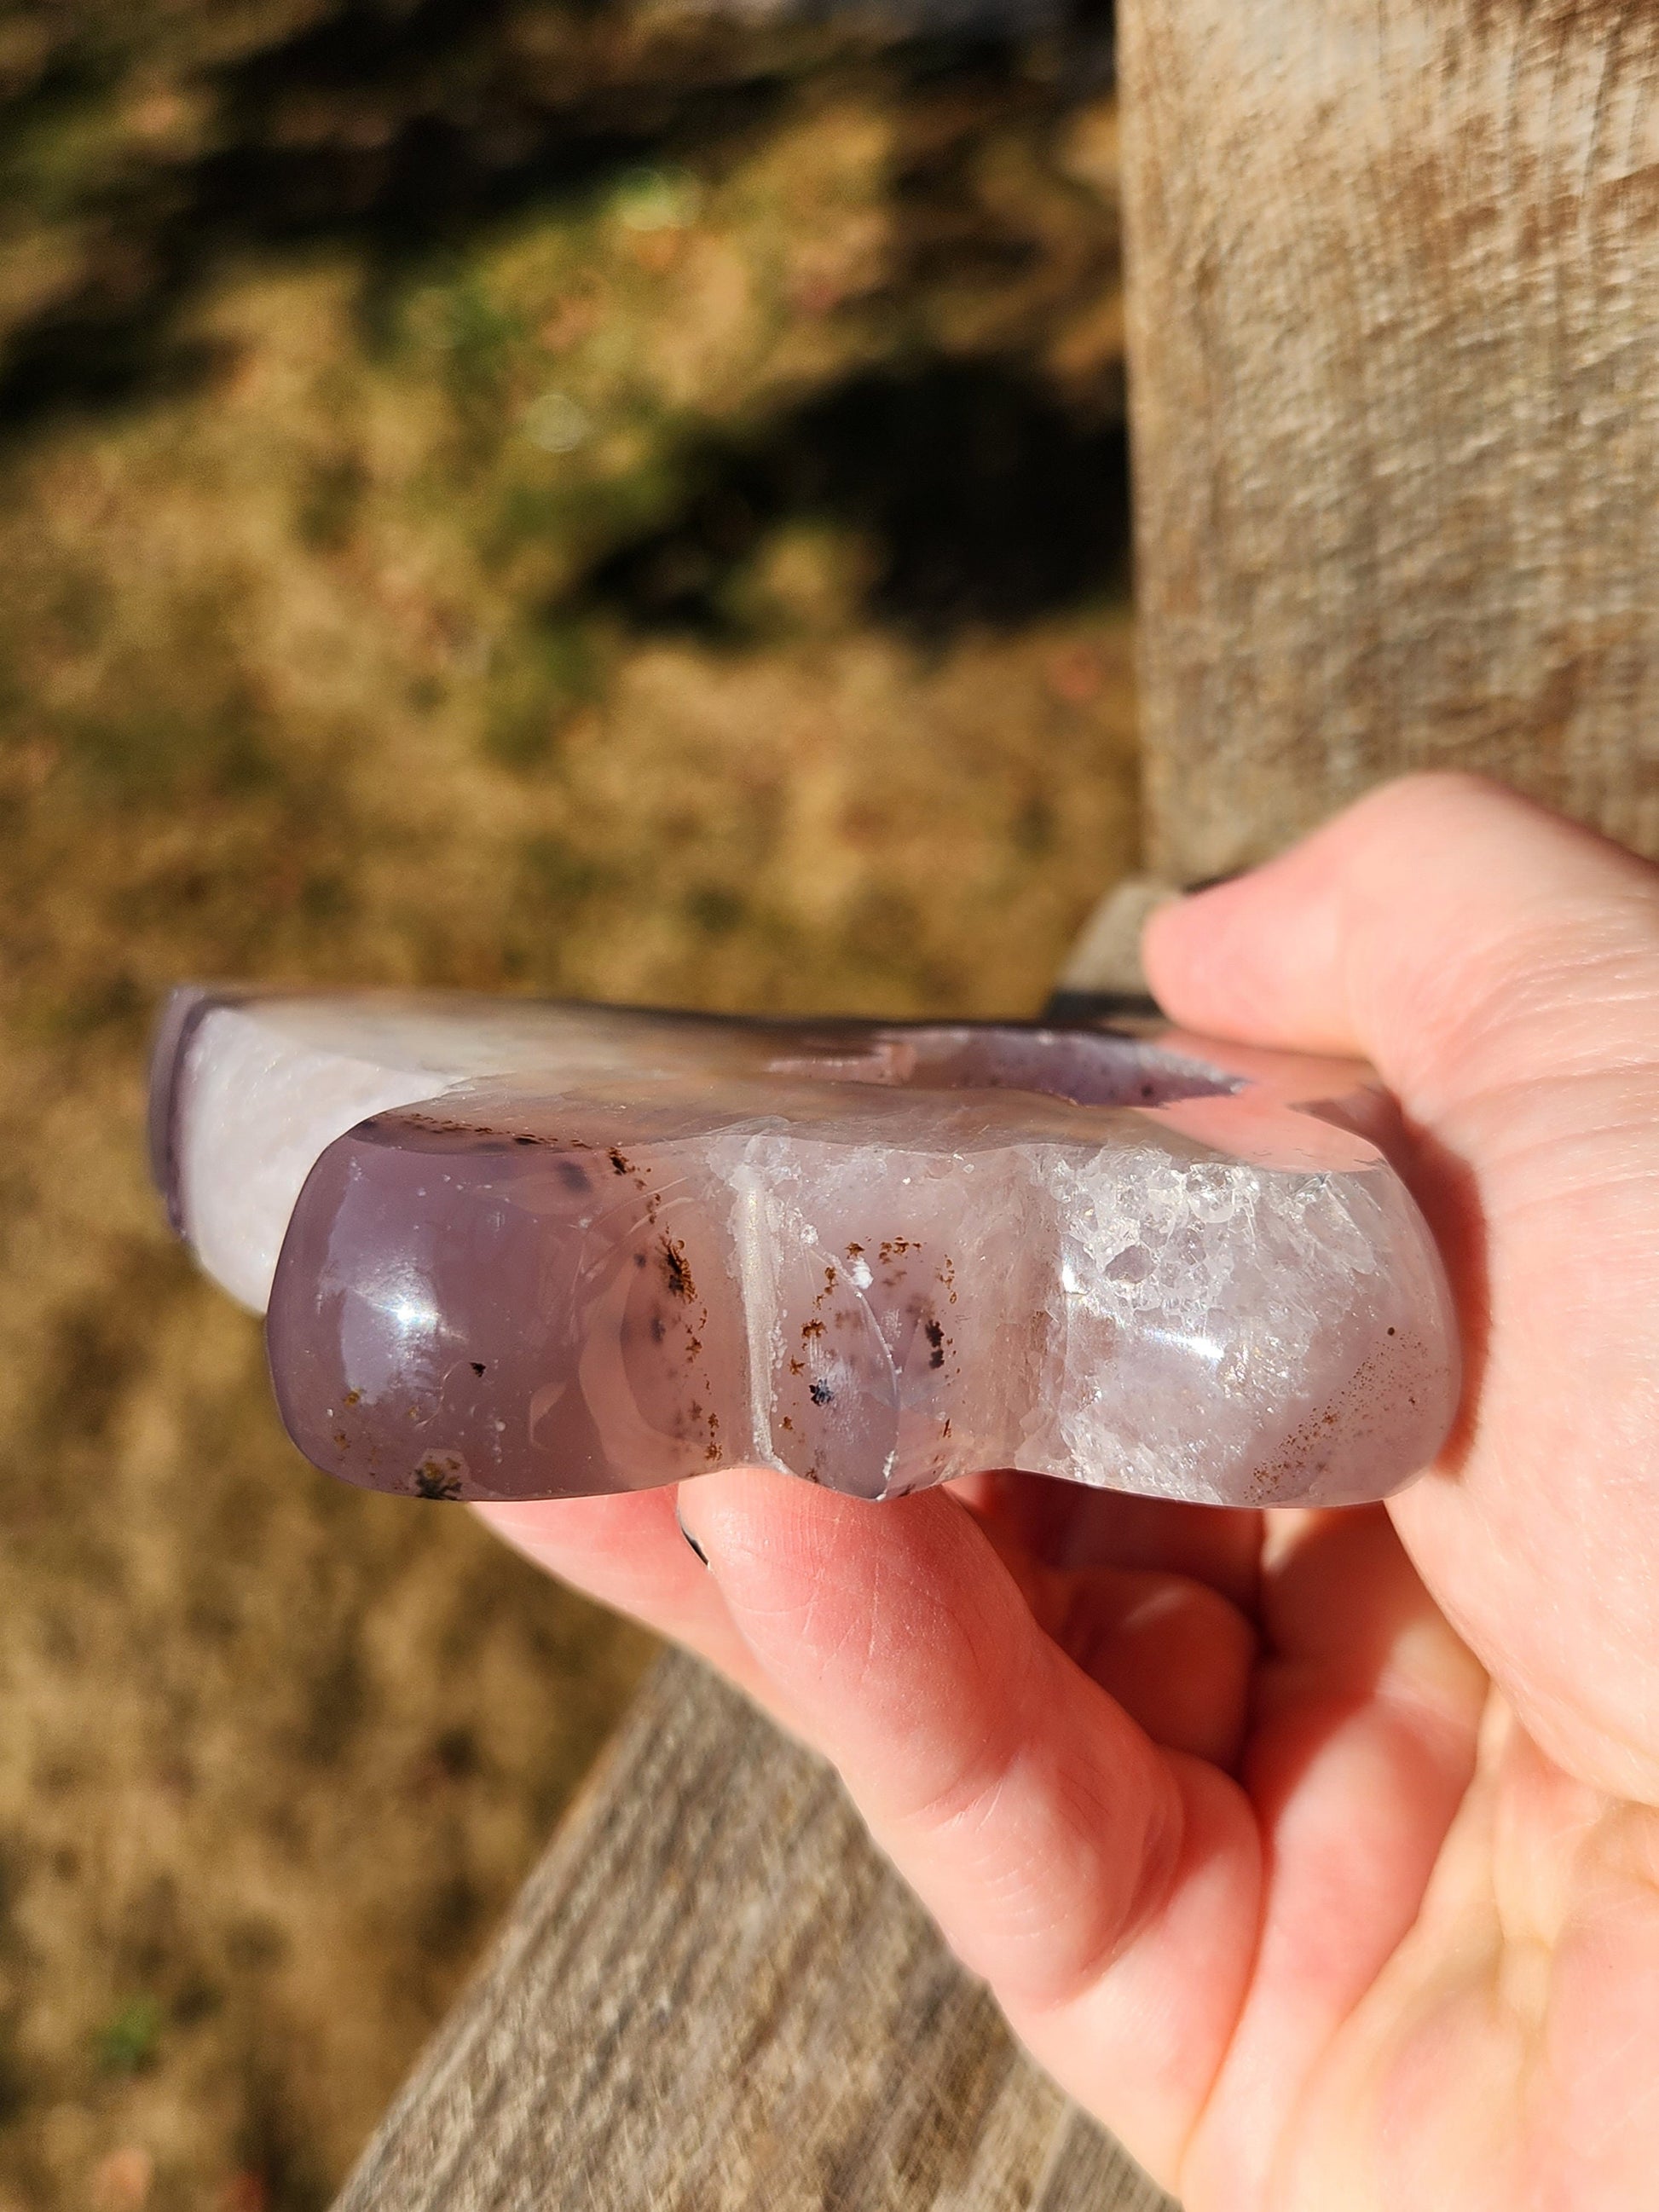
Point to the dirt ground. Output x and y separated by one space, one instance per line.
546 498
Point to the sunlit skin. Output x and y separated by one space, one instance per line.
1317 1854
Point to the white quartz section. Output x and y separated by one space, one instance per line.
1128 1315
256 1108
268 1083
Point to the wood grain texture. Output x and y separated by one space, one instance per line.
714 1994
1394 347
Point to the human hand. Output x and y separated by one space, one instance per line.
1316 1853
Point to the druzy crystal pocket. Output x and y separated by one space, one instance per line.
508 1250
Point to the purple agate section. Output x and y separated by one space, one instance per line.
878 1255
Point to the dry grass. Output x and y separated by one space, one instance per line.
526 612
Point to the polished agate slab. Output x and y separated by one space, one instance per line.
510 1249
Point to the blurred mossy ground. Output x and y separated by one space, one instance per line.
544 498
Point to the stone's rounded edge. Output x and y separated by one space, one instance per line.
463 1311
1415 1249
298 1337
1397 1398
1425 1317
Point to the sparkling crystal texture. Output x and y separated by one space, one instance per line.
509 1249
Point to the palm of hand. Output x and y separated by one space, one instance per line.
1258 1860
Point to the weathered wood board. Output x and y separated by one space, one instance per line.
1393 311
714 1994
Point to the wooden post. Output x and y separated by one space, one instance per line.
714 1994
1393 352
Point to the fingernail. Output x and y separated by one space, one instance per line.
688 1537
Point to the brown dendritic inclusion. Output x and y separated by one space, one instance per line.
518 1250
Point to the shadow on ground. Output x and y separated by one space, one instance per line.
397 129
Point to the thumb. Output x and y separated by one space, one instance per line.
1432 929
